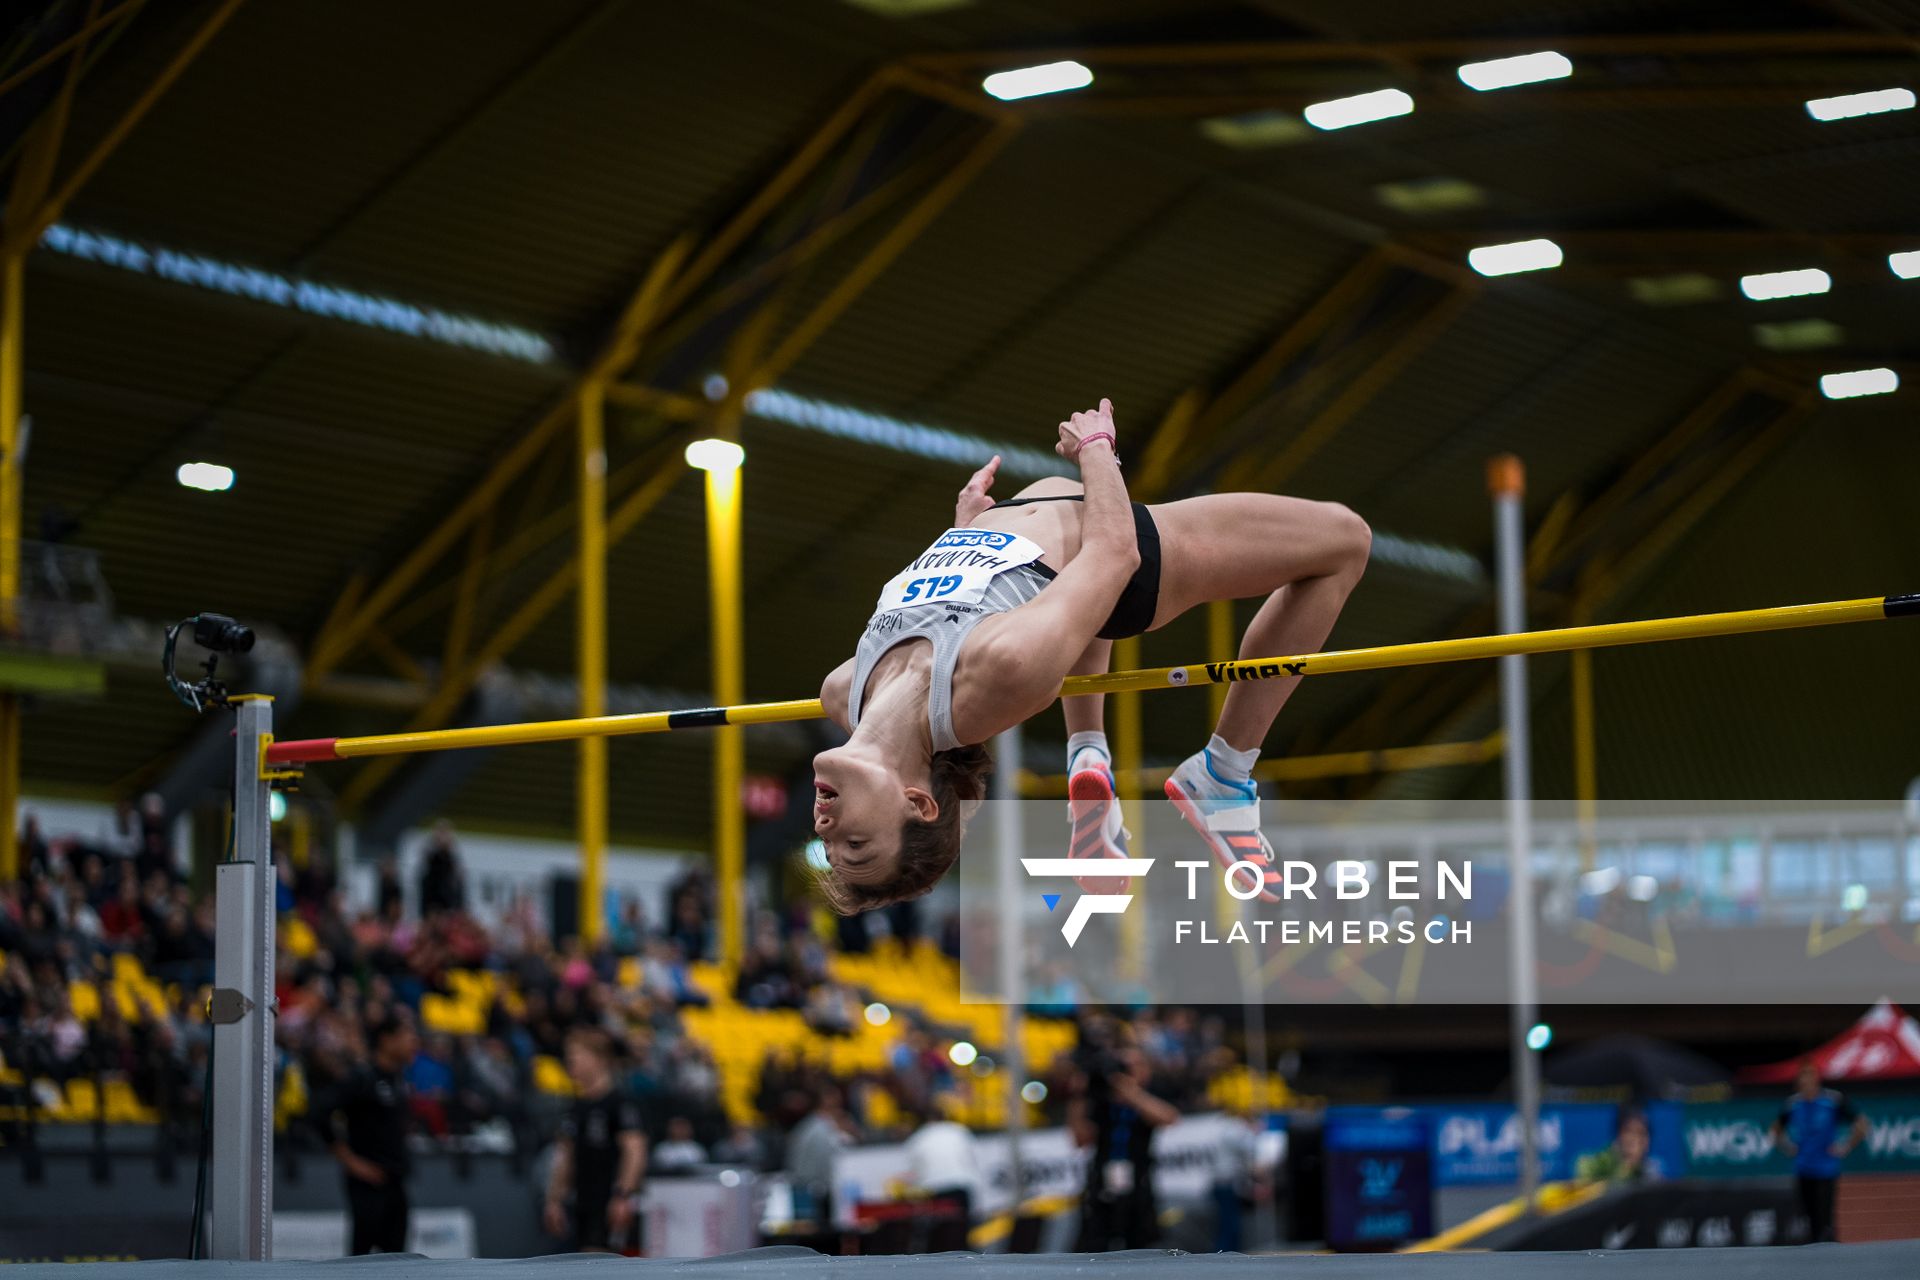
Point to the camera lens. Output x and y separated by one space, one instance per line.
221 634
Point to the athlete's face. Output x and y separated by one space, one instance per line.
859 805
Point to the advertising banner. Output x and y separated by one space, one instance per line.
1731 1139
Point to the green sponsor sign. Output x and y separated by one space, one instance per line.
1731 1139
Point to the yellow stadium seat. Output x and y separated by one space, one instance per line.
83 1100
85 998
124 1105
297 937
550 1077
452 1016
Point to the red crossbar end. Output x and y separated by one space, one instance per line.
302 751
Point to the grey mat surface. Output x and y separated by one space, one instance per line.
1899 1260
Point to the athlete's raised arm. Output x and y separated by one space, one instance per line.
1033 647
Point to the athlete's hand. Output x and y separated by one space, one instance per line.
555 1219
973 497
619 1214
1081 425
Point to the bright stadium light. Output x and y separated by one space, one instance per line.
1526 68
962 1053
1872 103
1785 284
1381 104
1905 265
276 806
1539 1036
1034 1091
1859 382
1031 82
878 1015
1521 255
208 476
715 455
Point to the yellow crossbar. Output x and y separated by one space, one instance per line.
1375 658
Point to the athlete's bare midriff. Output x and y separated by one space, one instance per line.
1053 525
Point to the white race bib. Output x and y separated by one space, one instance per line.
957 568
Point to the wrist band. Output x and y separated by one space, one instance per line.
1101 435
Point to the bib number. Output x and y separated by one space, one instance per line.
957 568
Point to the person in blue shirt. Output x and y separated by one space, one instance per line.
1817 1128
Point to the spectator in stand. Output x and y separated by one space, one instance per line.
35 856
63 1036
1817 1128
692 917
943 1160
390 899
367 1116
810 1150
766 978
430 1084
443 884
1628 1160
679 1153
122 921
156 841
741 1146
600 1155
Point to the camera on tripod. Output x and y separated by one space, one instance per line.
217 634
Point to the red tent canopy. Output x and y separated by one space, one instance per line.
1883 1045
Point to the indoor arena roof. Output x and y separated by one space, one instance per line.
359 249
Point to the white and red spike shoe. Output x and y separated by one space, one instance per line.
1097 829
1226 815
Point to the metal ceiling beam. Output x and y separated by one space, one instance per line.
882 255
1257 52
1379 374
333 646
1411 699
515 551
1687 491
75 43
824 235
1681 97
48 211
1558 543
732 235
1197 417
660 296
666 468
495 98
1663 244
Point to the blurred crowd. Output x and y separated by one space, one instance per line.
87 900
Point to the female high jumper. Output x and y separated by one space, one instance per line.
977 633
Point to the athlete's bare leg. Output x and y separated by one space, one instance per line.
1304 557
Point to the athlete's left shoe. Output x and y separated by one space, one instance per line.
1097 829
1226 814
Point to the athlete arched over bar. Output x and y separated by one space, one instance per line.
977 633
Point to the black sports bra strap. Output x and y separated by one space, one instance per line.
1051 497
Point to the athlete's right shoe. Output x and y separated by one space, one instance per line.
1098 832
1226 814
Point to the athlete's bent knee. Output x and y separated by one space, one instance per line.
1352 536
